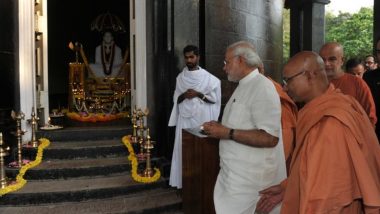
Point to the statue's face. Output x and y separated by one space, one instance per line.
107 37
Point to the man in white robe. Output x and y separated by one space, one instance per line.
197 99
251 150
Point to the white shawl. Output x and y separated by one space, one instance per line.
191 113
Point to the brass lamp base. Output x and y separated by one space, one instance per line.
134 139
34 143
147 173
141 156
4 183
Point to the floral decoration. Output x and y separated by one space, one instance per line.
133 159
20 181
95 117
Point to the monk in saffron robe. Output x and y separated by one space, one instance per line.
335 166
332 55
288 119
288 122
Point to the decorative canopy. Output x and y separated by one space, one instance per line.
108 22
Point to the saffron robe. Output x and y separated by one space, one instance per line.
336 161
289 112
245 170
192 113
358 88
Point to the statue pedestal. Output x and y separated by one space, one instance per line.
200 168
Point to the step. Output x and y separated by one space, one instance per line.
71 168
81 149
160 200
85 133
75 190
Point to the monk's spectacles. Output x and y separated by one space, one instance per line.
286 80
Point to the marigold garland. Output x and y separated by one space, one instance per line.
98 117
20 181
133 159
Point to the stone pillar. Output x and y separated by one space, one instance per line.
295 30
314 24
307 25
9 39
376 22
186 28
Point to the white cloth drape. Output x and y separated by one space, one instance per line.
192 113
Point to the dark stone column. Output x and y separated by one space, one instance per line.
314 24
186 29
9 90
307 25
295 30
161 72
376 22
9 70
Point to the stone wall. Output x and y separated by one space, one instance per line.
257 21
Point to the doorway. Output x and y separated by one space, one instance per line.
71 21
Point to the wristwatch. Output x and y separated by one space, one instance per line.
231 134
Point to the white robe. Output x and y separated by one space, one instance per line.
245 170
192 113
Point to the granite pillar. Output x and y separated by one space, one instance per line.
9 91
307 25
314 24
376 23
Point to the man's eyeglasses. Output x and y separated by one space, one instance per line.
227 61
286 80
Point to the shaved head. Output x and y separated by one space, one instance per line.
305 76
333 57
333 46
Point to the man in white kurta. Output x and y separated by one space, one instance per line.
247 165
189 113
246 170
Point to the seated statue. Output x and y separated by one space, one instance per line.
104 88
108 58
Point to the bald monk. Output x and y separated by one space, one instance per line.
335 166
288 119
332 55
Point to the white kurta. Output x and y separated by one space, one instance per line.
192 113
245 170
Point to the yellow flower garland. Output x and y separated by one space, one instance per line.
133 159
96 117
20 181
